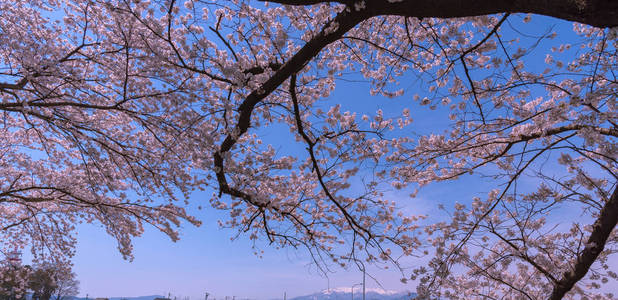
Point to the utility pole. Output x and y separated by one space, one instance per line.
328 283
363 281
353 286
284 296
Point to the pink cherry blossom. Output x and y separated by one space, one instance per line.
116 112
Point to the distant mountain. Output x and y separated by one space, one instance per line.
345 293
120 298
341 293
138 298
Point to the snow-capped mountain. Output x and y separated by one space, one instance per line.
345 293
119 298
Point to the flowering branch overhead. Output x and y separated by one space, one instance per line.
599 13
119 113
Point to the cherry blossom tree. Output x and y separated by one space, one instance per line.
116 111
53 282
85 139
13 279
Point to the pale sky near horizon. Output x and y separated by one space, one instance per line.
206 260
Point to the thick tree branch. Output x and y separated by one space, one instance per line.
342 24
601 231
598 13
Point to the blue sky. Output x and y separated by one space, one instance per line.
206 260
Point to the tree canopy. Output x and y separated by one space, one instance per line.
48 281
116 112
44 281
